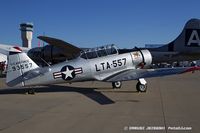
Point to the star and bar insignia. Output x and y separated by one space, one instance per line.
67 72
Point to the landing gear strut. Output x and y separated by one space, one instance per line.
141 85
116 85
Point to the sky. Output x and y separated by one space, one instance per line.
91 23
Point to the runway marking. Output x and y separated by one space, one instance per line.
162 105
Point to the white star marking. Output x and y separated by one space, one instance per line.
68 73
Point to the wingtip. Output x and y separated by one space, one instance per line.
42 37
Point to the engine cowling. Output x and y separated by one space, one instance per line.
142 58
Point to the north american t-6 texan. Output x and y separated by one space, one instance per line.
105 63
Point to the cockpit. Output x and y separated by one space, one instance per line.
99 52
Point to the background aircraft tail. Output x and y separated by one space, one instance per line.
18 65
188 42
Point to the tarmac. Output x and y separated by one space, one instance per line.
171 104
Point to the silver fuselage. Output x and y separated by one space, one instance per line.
90 69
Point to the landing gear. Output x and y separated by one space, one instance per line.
116 85
31 91
141 85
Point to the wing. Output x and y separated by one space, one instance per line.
67 47
134 74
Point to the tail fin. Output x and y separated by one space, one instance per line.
188 42
18 65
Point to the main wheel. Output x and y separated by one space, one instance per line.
117 84
141 87
31 91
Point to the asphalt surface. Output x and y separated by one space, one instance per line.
171 104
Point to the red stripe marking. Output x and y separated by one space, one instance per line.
192 69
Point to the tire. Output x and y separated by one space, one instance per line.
116 85
141 87
31 91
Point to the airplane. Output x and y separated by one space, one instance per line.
104 64
186 47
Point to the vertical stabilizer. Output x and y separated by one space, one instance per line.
18 65
188 41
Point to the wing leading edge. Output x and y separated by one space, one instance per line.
134 74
